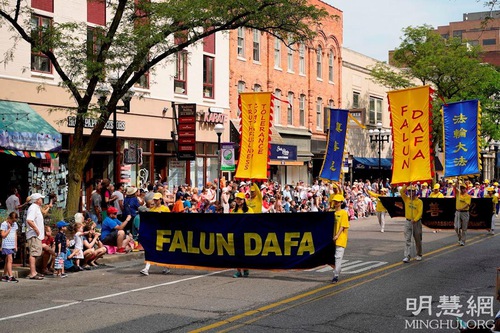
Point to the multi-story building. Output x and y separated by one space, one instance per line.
29 78
305 78
481 28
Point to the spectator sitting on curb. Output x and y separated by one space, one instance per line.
113 233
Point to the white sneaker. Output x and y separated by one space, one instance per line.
144 272
166 271
406 259
382 230
418 258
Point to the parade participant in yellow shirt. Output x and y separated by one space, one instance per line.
414 209
241 208
462 206
380 210
340 234
435 192
157 206
490 193
336 189
255 200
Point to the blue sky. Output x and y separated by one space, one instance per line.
374 27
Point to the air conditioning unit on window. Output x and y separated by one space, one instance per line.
179 90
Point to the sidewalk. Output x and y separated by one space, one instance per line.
109 259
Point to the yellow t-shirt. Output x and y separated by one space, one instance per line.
256 203
250 211
436 195
463 201
341 220
413 208
160 209
380 207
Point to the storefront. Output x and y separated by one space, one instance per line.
29 148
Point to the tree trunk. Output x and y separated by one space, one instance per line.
76 164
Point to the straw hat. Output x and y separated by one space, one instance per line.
131 190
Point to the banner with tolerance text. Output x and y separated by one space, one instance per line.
462 128
332 164
411 120
256 110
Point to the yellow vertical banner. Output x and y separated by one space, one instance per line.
411 126
256 109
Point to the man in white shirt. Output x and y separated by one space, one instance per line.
35 233
118 201
12 203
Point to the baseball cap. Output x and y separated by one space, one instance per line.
157 196
112 210
61 224
437 186
36 196
338 197
240 195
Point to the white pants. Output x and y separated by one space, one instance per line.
381 219
339 254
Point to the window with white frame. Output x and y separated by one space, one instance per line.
277 53
277 106
289 57
257 87
302 109
181 66
319 63
319 112
331 59
208 77
375 110
256 45
355 99
241 42
39 61
331 103
302 59
289 115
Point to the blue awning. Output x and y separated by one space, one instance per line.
371 163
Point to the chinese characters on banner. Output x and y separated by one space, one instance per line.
411 125
332 164
461 122
256 109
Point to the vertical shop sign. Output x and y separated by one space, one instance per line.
186 131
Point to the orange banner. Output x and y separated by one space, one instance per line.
411 126
256 110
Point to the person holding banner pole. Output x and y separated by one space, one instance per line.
490 193
241 208
463 201
340 234
380 209
414 209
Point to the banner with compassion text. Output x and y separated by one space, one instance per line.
411 128
262 241
440 212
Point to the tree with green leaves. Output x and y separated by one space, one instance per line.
139 35
451 67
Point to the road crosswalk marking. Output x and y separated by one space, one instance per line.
350 266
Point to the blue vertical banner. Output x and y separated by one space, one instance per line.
462 128
337 134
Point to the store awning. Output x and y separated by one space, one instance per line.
369 163
24 133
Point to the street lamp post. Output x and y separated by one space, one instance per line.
379 135
219 129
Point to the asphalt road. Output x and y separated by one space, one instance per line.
376 293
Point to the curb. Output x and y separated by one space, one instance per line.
20 272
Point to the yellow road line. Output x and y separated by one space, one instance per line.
264 308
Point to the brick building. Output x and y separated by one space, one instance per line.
308 76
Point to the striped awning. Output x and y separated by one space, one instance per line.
29 154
